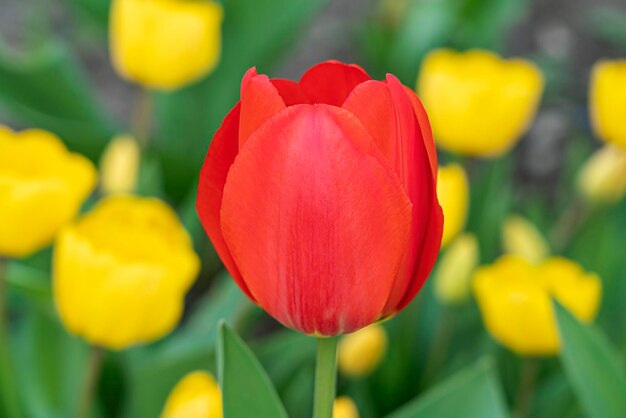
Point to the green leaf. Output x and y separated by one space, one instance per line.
50 365
246 389
592 366
154 370
47 89
471 393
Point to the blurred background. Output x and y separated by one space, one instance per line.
56 74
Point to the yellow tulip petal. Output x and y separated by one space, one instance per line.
121 272
42 186
608 101
602 179
165 44
478 103
119 165
514 297
453 195
521 238
197 395
345 407
361 352
455 270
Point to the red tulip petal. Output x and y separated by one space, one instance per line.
387 113
222 153
259 102
430 251
290 91
331 82
316 222
427 132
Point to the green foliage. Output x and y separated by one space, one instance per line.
246 389
471 393
593 367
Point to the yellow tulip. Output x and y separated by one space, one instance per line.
521 238
345 407
197 395
165 44
119 165
361 352
453 194
121 272
478 103
42 186
514 297
454 274
608 101
602 179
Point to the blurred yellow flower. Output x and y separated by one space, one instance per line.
454 273
197 395
165 44
119 165
345 408
361 352
608 101
602 179
121 272
453 194
514 297
478 103
521 238
42 186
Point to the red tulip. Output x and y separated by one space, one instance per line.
319 197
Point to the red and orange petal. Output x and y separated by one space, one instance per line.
316 221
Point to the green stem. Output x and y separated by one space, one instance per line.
7 376
526 388
142 117
90 383
325 377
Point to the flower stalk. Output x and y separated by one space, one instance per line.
9 390
325 377
90 383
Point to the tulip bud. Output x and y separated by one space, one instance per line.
305 181
521 238
515 300
165 44
453 194
121 272
119 165
602 179
478 103
453 276
42 187
608 100
361 352
345 407
197 395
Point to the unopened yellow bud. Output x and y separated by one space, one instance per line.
165 44
42 187
119 165
197 395
515 300
453 195
120 273
453 276
521 238
361 352
608 100
602 180
479 104
345 407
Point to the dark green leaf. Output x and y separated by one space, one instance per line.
592 366
246 389
472 393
